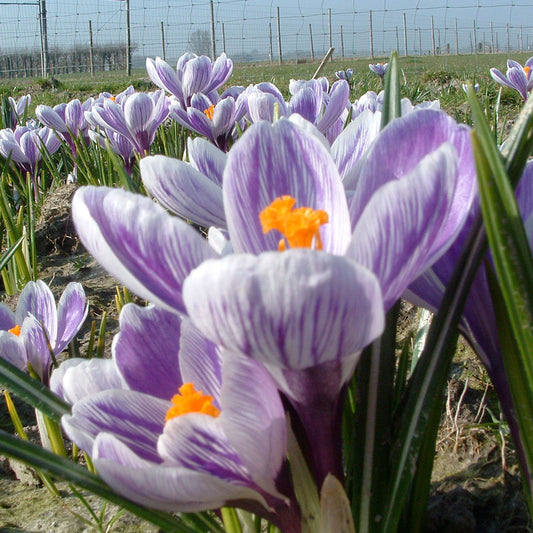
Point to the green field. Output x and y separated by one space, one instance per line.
424 78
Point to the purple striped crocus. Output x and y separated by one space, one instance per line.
518 77
308 330
137 117
172 424
193 74
39 331
379 68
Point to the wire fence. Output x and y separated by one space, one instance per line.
40 37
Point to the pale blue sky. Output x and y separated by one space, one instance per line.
246 24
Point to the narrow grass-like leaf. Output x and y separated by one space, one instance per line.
514 268
62 467
392 103
32 391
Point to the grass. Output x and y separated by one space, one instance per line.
424 78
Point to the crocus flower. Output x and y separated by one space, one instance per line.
215 119
172 425
19 109
38 331
344 74
67 119
194 74
397 223
118 143
137 117
25 146
517 77
379 68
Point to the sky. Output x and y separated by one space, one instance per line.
243 27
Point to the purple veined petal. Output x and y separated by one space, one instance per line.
138 111
253 418
10 148
111 116
323 308
197 442
74 116
260 106
139 243
146 350
339 100
80 378
270 161
200 361
183 190
309 127
30 144
50 118
511 63
353 142
207 159
36 345
518 80
196 76
37 299
223 117
413 137
197 121
295 85
136 419
500 78
13 351
222 69
164 76
307 103
50 139
165 487
7 318
182 62
524 193
72 311
400 233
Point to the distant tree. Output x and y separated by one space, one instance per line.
200 42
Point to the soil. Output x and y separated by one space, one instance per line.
475 484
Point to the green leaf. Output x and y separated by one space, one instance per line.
514 268
62 467
392 102
32 391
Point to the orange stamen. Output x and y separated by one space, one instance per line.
112 98
209 111
300 227
15 330
527 70
189 400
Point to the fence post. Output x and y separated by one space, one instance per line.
475 38
342 44
405 35
491 38
213 42
330 33
456 39
223 38
433 34
271 52
397 40
163 50
311 41
44 38
128 39
91 49
279 36
508 39
521 40
371 35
